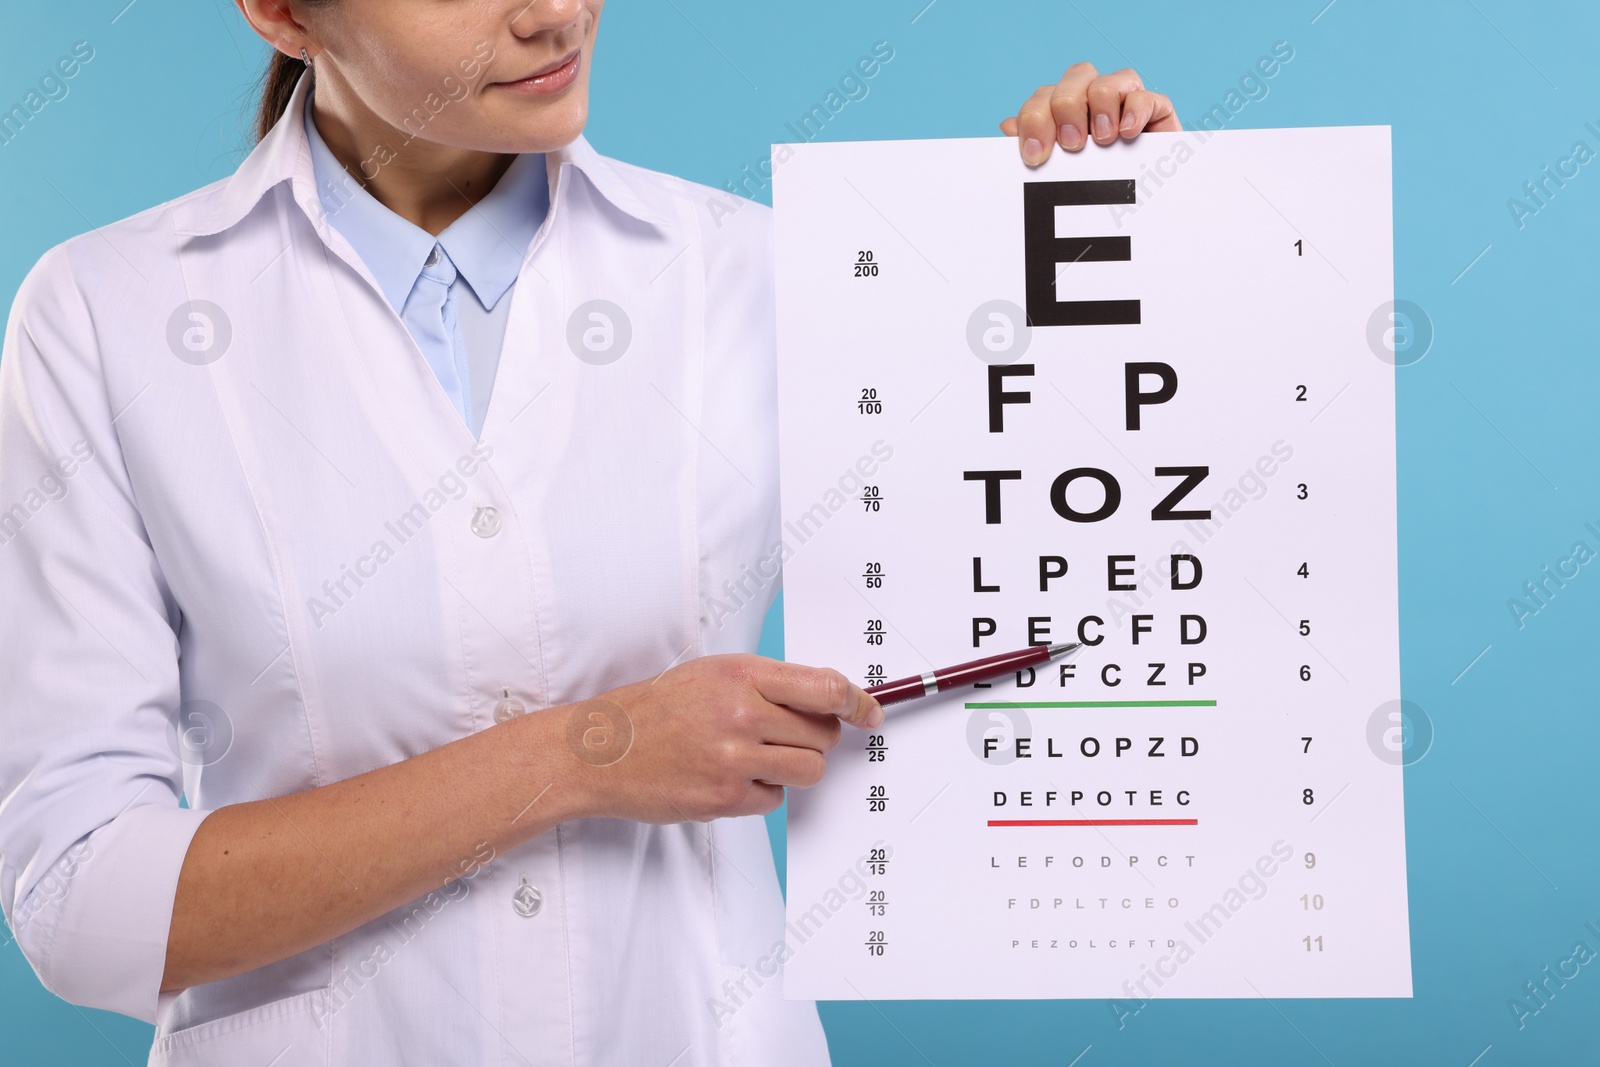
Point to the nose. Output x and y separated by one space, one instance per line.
529 18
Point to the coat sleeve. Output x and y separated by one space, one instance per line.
92 834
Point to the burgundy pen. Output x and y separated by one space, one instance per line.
978 670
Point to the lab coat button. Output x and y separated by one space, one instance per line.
508 708
486 521
527 899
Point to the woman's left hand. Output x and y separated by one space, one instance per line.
1086 104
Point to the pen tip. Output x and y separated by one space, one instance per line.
1061 650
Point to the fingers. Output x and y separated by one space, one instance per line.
1106 94
1137 108
1086 105
821 690
1143 110
756 798
765 798
1069 106
1035 128
782 765
802 729
1163 119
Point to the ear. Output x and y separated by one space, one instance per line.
275 24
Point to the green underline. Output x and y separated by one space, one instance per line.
1096 704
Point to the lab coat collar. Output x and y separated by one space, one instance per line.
609 180
285 155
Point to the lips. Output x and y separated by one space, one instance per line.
549 79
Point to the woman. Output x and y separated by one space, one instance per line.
470 777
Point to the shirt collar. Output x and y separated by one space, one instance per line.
487 244
284 155
393 249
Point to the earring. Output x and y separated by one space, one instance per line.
304 57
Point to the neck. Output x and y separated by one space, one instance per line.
424 182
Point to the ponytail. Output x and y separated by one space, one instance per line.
277 87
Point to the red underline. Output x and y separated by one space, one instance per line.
1094 822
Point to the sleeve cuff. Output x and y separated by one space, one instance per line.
107 945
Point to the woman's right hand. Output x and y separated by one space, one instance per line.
714 737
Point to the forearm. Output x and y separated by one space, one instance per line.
266 879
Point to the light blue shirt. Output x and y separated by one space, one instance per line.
450 290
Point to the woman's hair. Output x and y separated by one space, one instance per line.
276 88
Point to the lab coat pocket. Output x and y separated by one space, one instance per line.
279 1032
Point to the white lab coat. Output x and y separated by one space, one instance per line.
266 503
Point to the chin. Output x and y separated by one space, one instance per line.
543 129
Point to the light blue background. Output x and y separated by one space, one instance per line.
1497 426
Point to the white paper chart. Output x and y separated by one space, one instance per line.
1142 398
